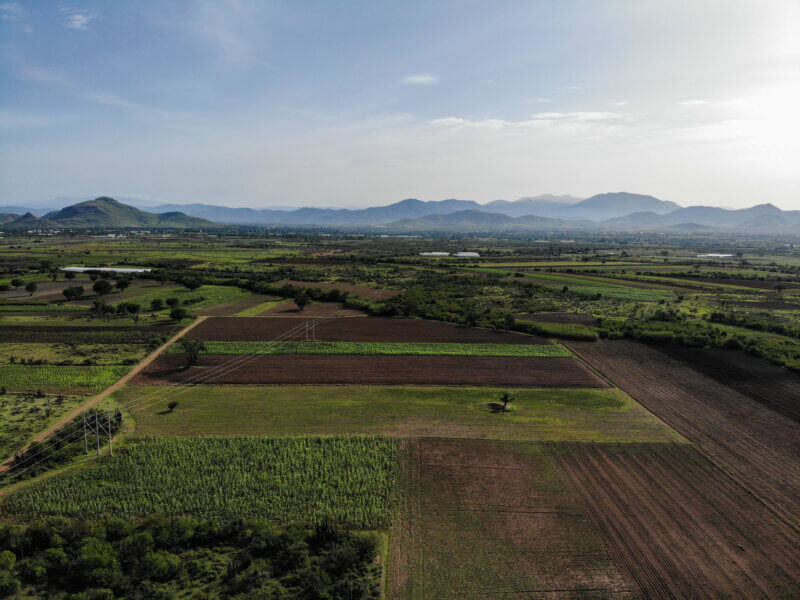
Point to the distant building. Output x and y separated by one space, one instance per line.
467 255
434 254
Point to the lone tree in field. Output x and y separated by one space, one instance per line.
156 304
302 300
16 282
69 275
505 399
129 308
779 287
178 314
172 405
73 293
173 302
191 284
192 350
102 287
123 284
31 287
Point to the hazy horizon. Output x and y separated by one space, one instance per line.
265 104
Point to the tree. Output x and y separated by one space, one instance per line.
54 275
178 314
302 300
156 305
4 287
160 278
192 350
173 302
31 287
69 275
102 287
172 405
505 399
779 287
17 282
123 284
129 308
191 284
73 292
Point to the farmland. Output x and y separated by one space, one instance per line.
378 369
308 348
51 378
403 411
302 478
616 469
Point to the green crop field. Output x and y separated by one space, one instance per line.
256 310
537 414
304 479
52 378
426 349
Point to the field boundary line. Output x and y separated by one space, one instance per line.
106 392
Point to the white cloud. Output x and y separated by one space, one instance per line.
108 99
573 88
421 79
77 19
621 103
540 101
10 11
693 103
576 116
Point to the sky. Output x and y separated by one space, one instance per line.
363 103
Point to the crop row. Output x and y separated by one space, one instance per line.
395 348
306 479
53 378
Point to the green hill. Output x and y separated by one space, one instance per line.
106 212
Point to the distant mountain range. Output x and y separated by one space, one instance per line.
610 211
101 213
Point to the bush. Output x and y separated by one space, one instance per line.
570 331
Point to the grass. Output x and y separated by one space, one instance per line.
347 479
256 310
98 354
9 307
23 416
601 415
76 321
396 348
51 378
210 294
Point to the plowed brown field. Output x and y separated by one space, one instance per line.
488 520
678 526
758 446
384 369
373 329
773 386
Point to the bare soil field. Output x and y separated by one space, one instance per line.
773 386
678 526
483 519
758 446
354 290
373 329
560 317
370 369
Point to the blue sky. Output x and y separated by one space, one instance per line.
365 103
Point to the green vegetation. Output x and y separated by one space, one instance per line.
256 310
570 331
22 416
51 378
179 557
203 296
427 349
310 479
65 353
602 415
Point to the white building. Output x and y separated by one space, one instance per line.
467 255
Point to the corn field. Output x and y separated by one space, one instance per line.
54 378
306 479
